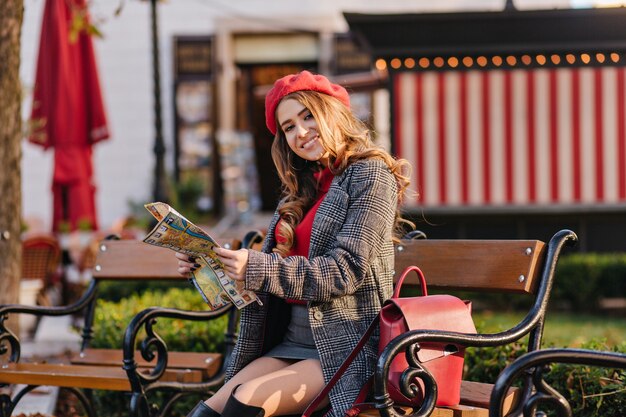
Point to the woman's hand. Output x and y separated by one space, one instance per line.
186 264
235 262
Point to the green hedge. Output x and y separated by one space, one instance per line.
591 391
582 280
117 290
111 319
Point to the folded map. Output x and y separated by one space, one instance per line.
175 232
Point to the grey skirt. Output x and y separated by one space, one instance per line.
298 340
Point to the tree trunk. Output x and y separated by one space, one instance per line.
11 15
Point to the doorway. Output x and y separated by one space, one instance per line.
253 84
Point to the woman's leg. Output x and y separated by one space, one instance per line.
257 368
288 390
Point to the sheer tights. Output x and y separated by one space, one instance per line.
280 386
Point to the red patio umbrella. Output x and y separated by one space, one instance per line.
68 112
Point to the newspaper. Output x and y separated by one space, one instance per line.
174 231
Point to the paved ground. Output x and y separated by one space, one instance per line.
54 337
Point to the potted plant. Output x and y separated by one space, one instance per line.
63 231
85 231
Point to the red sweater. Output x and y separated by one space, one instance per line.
302 233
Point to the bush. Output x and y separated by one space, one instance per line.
111 319
583 279
117 290
485 364
591 391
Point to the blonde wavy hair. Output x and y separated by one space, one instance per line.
347 140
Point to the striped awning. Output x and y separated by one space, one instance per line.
520 137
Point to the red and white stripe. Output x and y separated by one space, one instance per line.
515 137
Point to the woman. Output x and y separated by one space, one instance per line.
327 262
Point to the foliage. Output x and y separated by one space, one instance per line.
189 191
485 364
592 391
186 195
82 23
115 404
139 217
583 279
117 290
111 318
84 224
64 226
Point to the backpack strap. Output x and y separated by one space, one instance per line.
333 381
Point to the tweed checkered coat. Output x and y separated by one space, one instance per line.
346 278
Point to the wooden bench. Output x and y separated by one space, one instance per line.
140 372
207 364
510 267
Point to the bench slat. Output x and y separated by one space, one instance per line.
473 264
207 363
474 402
478 394
133 260
79 376
467 411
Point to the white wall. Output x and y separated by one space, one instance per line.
124 164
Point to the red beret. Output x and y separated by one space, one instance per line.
303 81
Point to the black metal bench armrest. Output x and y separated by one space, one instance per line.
153 348
251 238
5 310
75 307
408 343
537 361
414 235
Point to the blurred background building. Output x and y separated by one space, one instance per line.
217 60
